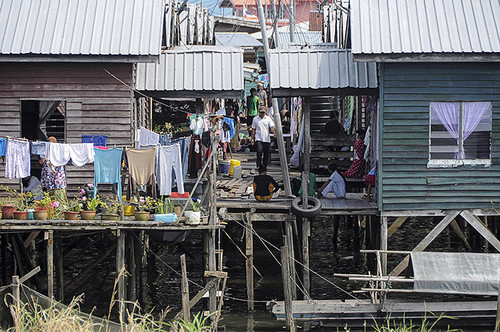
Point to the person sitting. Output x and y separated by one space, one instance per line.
333 128
32 184
297 184
264 185
357 169
335 184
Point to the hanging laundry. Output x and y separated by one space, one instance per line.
184 144
107 168
164 140
196 123
17 159
194 158
205 138
367 142
169 160
39 148
147 137
3 146
230 126
97 140
60 154
141 163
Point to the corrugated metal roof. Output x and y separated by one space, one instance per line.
81 27
320 68
425 26
300 38
236 40
198 68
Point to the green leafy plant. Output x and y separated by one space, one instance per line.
74 205
195 204
24 202
91 204
198 324
170 206
109 206
45 202
148 204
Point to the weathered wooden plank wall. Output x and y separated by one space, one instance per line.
97 104
406 91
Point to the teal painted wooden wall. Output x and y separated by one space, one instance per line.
407 183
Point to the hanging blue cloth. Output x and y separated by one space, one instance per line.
98 140
107 167
38 148
3 146
230 122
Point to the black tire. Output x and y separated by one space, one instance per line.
313 209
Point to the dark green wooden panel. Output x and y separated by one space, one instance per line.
407 182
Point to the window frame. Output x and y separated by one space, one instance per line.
447 163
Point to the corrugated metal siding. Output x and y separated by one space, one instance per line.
425 26
320 69
406 91
195 69
300 38
81 27
96 103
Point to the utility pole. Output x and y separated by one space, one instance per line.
277 115
275 12
292 21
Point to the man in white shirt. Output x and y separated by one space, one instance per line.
262 125
334 184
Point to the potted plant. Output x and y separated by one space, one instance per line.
8 206
193 217
72 209
144 207
90 207
42 207
109 210
164 211
23 203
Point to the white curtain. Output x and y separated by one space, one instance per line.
473 113
448 115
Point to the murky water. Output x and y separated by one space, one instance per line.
162 283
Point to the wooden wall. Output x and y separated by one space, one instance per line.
97 104
407 183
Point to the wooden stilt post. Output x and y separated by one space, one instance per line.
131 261
306 232
249 261
49 236
58 251
497 325
4 258
291 256
16 292
306 224
383 244
287 288
120 268
186 312
212 264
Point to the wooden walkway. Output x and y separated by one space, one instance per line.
87 225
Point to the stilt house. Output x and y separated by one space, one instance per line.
67 68
439 113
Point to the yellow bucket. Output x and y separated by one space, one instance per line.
129 210
233 163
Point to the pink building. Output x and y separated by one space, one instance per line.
248 9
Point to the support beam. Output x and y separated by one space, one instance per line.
291 257
249 262
481 228
456 228
306 277
132 273
287 288
212 264
383 244
120 269
277 115
58 254
395 225
186 312
433 234
49 236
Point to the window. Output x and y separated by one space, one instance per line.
460 134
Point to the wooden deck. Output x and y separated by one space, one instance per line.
101 225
